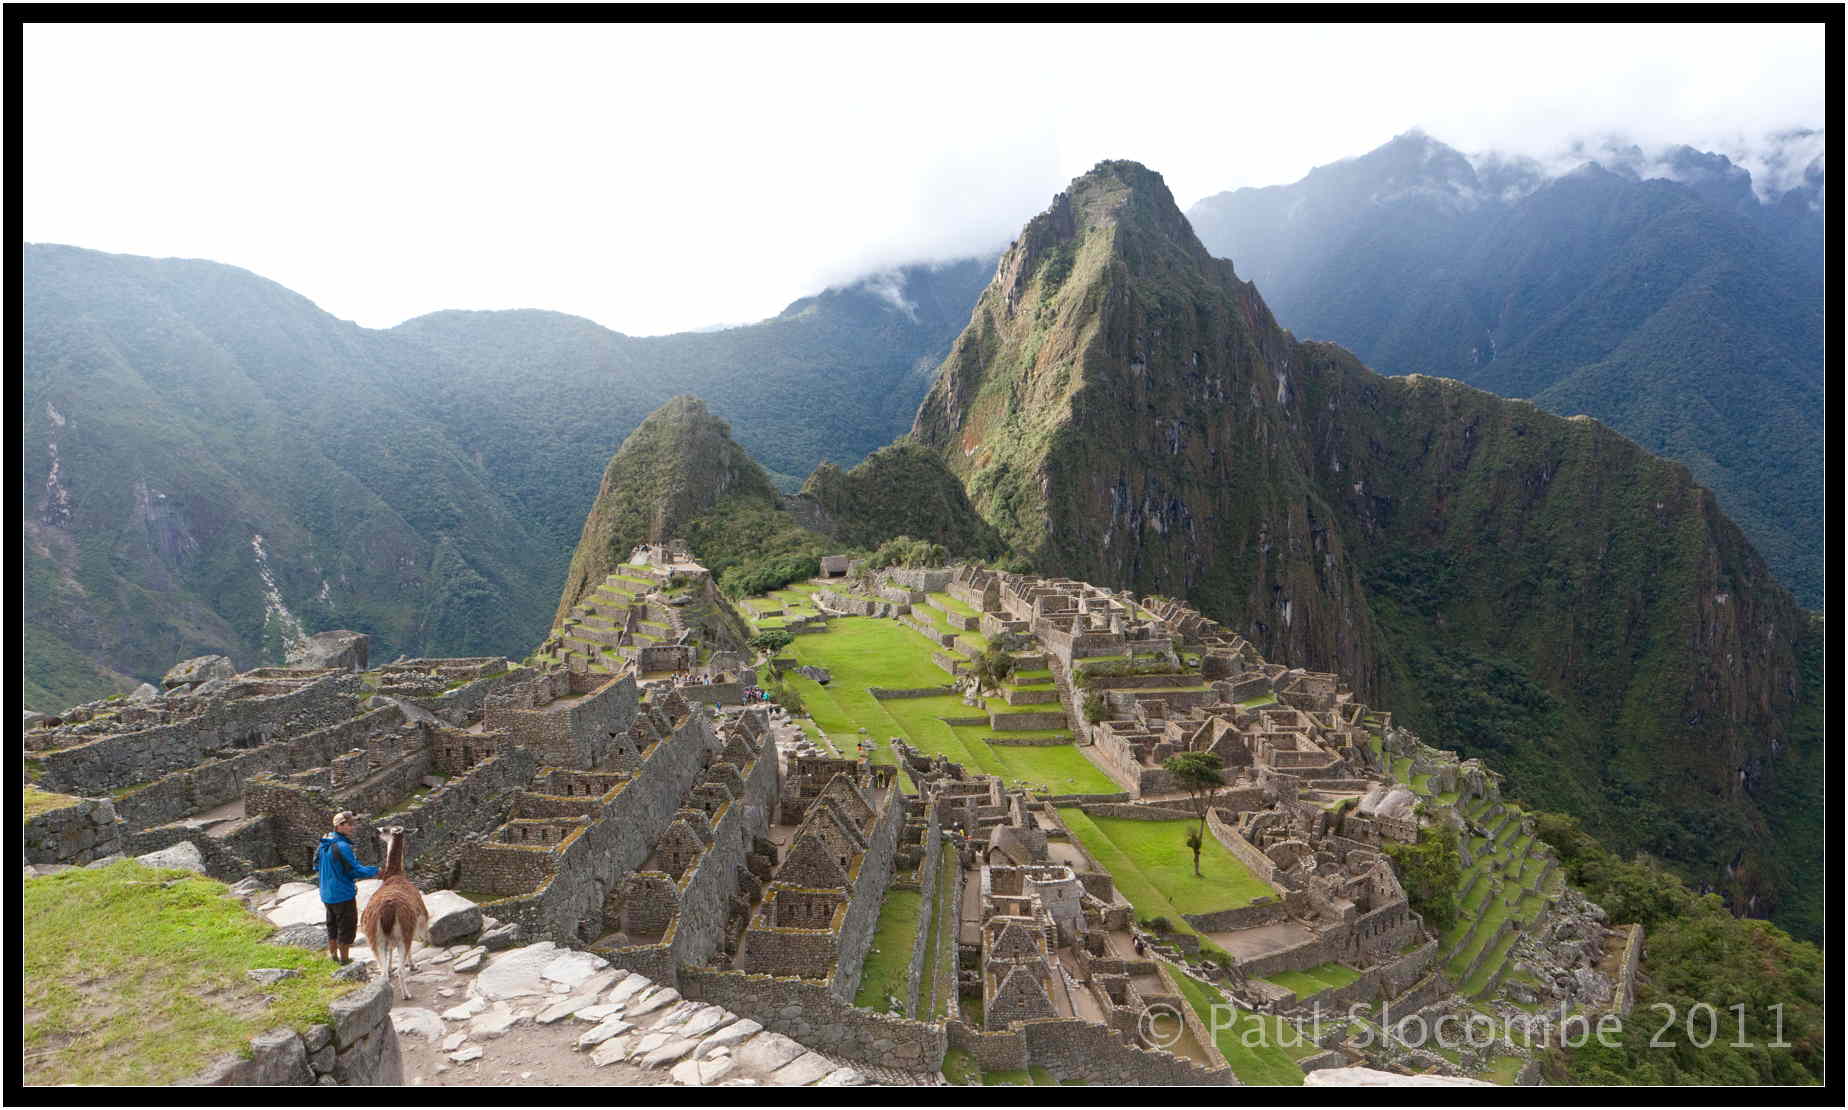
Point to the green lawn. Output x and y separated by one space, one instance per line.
889 958
1311 980
1154 869
945 601
1262 1050
1061 769
865 651
868 651
136 976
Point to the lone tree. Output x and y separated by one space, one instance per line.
772 640
1200 774
991 669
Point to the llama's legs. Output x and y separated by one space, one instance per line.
404 958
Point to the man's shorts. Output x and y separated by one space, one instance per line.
342 921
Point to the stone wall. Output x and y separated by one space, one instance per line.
463 705
1264 911
581 734
110 763
1248 854
217 782
468 804
882 693
357 1048
222 860
812 1012
705 891
1073 1049
74 834
869 887
997 1050
619 841
1021 722
1623 996
927 883
715 693
929 580
1140 812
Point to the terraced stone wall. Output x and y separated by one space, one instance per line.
113 762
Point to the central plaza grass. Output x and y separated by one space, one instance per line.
867 651
862 652
889 959
136 976
1261 1050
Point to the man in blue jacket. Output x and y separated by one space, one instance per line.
333 858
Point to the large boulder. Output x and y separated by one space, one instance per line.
343 649
452 917
202 668
144 694
185 856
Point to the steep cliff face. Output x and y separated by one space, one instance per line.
1122 407
678 464
1539 590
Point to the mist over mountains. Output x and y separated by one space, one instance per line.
1670 296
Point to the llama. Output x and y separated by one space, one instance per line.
395 917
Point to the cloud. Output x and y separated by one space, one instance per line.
660 178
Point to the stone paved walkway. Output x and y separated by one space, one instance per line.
542 1015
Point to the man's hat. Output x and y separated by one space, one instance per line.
345 817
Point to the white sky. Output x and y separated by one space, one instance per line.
661 178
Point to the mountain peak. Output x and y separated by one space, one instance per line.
678 463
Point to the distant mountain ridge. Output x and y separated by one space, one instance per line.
1687 314
424 484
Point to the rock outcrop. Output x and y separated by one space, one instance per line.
342 649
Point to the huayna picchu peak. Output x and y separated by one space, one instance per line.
1524 587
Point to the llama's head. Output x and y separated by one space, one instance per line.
393 836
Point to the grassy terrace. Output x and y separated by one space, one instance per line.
937 619
1508 859
1261 1050
862 652
41 801
1154 869
946 602
889 958
1312 980
151 988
